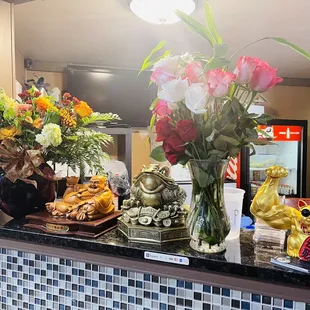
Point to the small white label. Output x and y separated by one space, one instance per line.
180 260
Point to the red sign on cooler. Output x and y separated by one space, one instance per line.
233 170
281 133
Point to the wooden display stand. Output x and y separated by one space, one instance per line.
63 226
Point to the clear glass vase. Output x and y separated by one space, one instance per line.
208 222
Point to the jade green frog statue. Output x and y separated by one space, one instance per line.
156 199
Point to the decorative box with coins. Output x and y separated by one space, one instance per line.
267 207
155 211
85 210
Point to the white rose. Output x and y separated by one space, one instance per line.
173 91
196 98
170 66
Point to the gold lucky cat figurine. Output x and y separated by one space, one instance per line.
89 202
266 206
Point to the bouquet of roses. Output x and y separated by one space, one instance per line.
38 129
201 109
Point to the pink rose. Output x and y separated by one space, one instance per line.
162 109
160 77
264 77
194 71
166 69
219 82
245 68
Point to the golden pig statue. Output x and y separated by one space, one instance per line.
90 202
266 206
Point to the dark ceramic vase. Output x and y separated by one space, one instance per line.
19 198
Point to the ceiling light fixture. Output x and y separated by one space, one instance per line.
161 11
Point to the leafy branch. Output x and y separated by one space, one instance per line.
100 117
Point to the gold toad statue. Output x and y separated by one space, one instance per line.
266 206
156 199
90 202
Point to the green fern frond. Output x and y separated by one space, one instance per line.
102 117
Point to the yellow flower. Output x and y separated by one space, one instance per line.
67 119
44 104
38 123
8 132
28 119
83 109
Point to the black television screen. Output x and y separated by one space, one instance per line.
119 91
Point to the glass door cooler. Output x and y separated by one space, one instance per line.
289 150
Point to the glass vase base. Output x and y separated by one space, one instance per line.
204 247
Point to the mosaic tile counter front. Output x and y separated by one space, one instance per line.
32 281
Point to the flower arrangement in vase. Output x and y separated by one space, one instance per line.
38 130
201 117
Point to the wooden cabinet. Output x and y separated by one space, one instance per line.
7 48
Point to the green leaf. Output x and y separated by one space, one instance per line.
263 119
228 128
229 140
202 177
152 123
220 50
158 154
234 151
282 41
146 63
196 27
237 107
220 144
211 24
264 133
52 117
291 45
99 117
215 63
154 103
183 159
212 136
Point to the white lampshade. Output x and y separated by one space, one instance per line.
161 11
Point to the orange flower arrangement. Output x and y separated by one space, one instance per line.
83 109
56 128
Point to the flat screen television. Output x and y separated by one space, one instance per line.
115 90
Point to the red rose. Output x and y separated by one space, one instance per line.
22 95
163 129
187 130
172 158
174 144
29 101
66 95
66 101
37 94
75 100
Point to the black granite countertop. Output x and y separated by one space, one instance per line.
242 257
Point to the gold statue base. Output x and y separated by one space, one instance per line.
152 234
62 226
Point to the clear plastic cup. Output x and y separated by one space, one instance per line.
233 201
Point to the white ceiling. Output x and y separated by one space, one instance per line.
105 32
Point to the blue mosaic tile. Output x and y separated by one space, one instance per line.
33 281
245 305
288 304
